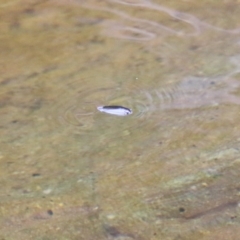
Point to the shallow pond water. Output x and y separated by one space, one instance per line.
170 170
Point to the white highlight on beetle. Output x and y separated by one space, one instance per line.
115 110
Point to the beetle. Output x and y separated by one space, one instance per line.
115 110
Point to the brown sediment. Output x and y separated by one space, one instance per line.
221 209
57 61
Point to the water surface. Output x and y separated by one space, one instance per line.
170 170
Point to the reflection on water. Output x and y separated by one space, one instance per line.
170 170
148 30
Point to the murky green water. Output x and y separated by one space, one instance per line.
168 171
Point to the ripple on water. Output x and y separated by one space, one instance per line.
77 106
77 110
179 112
